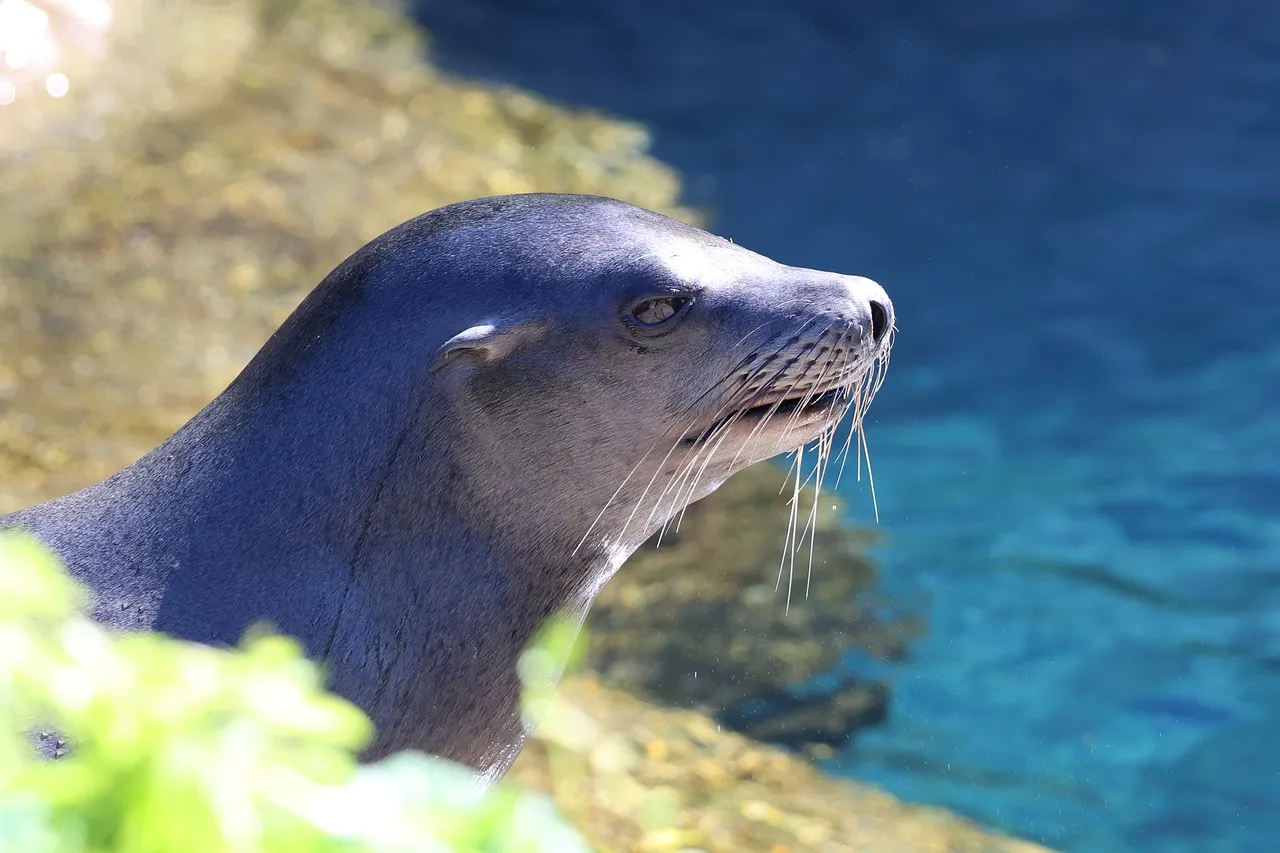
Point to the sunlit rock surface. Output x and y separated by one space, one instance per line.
640 778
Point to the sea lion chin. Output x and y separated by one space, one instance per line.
467 427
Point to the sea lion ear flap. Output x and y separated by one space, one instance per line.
486 343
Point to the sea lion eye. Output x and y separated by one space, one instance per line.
657 310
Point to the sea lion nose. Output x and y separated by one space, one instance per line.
870 296
881 319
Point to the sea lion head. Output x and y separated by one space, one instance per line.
557 375
606 365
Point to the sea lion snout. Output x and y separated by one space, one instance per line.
855 300
871 308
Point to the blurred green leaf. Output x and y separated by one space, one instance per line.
181 747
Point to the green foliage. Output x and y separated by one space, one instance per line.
181 747
558 648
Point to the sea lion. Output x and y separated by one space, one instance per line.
466 427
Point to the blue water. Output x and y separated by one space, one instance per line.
1076 208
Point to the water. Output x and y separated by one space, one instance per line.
1076 207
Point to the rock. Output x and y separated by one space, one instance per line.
796 719
692 786
703 621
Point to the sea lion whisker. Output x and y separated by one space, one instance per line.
811 522
871 478
764 420
874 387
704 439
859 409
613 497
790 504
710 455
824 454
742 406
733 400
705 446
753 331
678 480
824 445
643 494
699 399
676 444
624 482
706 453
768 416
786 396
867 389
792 524
827 442
850 392
786 481
744 381
798 465
854 405
723 430
839 388
817 387
658 502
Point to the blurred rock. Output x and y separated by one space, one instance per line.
149 247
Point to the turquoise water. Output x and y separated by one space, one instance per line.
1076 207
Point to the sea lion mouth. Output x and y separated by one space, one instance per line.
797 408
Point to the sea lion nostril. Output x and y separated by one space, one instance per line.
879 320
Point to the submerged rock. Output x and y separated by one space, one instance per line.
719 617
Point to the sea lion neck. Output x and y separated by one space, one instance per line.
356 548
